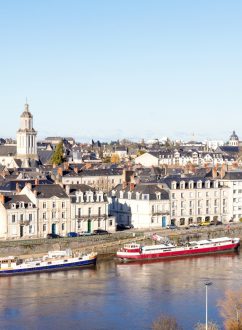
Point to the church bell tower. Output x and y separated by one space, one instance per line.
26 137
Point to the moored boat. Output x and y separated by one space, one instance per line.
53 261
134 251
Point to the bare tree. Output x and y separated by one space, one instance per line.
166 322
231 309
202 326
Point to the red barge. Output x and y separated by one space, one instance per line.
134 251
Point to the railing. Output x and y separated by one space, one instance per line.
24 222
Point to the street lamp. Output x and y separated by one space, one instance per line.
206 286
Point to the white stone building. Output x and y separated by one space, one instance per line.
89 209
196 200
141 205
18 217
54 211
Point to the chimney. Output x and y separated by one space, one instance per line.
223 171
66 166
36 182
29 185
68 189
35 193
2 199
17 188
76 169
60 171
131 186
214 173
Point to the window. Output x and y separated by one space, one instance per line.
54 205
182 195
191 195
30 217
110 222
79 224
99 223
44 227
63 215
44 205
30 229
63 226
207 202
182 221
21 217
79 212
13 218
207 194
173 196
89 211
63 204
190 212
53 215
146 197
99 211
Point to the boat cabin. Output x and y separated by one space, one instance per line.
132 247
8 262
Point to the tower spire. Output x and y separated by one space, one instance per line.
26 107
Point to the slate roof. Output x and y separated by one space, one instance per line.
84 189
146 189
8 150
45 156
50 190
233 175
17 199
98 172
11 185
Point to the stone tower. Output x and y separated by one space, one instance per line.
26 138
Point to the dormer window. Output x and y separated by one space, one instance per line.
191 184
207 184
182 185
158 196
129 195
215 184
199 184
173 185
13 206
30 205
137 195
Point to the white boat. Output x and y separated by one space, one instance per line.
135 251
54 260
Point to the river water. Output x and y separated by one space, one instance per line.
119 296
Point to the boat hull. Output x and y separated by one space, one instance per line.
49 268
185 252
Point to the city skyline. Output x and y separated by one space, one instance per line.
129 70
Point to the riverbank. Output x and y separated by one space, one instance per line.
107 245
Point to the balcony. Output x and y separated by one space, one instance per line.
24 222
91 216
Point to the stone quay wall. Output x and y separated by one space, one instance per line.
107 245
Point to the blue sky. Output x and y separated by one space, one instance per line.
127 68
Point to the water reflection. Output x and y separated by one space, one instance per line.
118 296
